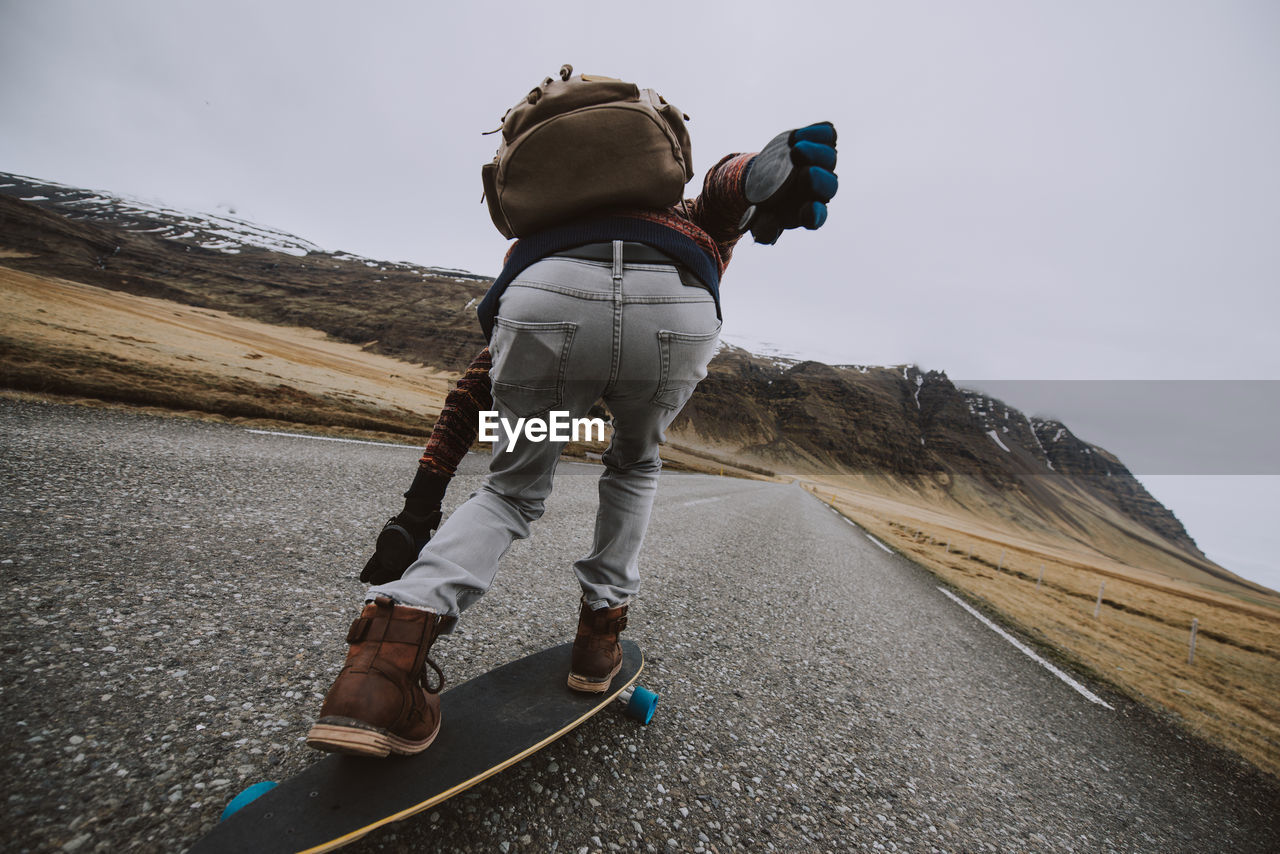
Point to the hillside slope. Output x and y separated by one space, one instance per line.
899 431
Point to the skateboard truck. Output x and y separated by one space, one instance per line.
640 703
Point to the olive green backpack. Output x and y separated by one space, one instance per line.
581 144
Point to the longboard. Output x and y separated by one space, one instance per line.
489 723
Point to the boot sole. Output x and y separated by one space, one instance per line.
356 738
593 686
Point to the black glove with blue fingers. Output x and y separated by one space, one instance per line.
789 183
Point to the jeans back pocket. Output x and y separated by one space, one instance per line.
529 362
684 364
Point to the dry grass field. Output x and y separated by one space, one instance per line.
1139 640
72 339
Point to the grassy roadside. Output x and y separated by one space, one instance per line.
1139 642
66 338
69 373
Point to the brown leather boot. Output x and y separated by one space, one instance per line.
597 655
382 702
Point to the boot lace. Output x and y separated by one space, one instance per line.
426 682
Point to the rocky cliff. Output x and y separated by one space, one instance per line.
915 426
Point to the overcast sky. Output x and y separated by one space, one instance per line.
1030 191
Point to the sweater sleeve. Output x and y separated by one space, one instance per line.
458 423
719 207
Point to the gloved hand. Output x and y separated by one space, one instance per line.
789 183
398 545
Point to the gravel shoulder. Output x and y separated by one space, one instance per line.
179 592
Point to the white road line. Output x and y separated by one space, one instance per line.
854 524
329 439
700 501
1085 692
880 544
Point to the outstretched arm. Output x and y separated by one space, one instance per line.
720 206
404 535
456 428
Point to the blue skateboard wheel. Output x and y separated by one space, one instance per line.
246 797
642 705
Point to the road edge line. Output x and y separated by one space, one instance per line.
327 438
1025 650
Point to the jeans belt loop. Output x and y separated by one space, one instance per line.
618 260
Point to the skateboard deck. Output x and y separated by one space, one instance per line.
489 723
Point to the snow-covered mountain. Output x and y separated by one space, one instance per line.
209 231
216 232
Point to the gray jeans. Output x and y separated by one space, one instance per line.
570 332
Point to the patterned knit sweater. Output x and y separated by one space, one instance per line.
699 232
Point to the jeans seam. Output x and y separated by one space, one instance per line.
664 300
615 361
564 363
534 284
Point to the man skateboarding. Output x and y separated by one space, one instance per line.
620 304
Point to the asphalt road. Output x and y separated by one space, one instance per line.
178 593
